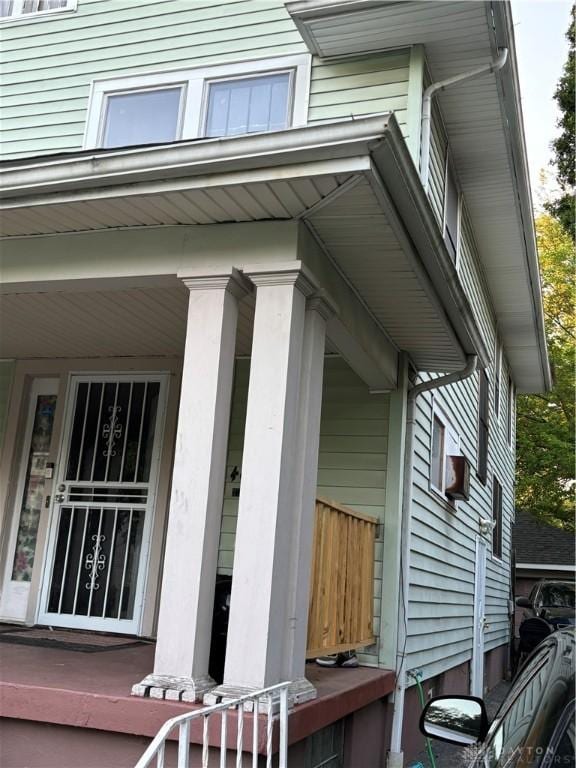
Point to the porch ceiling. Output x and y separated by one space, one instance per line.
338 178
143 322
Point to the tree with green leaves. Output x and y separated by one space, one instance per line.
565 160
546 423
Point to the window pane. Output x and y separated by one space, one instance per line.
6 7
239 109
248 105
146 117
437 461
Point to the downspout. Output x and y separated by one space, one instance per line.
441 85
395 756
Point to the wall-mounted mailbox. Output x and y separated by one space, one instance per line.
457 485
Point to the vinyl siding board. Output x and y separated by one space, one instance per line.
352 460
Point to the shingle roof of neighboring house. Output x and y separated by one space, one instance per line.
539 542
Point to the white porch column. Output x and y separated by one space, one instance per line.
318 311
187 598
264 587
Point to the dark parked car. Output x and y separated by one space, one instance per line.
533 727
552 601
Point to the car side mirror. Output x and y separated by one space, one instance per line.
455 719
523 602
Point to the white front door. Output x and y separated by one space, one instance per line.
480 623
104 496
30 499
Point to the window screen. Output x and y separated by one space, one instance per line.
248 105
142 117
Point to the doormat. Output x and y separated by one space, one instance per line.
69 640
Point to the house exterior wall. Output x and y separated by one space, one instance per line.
440 631
51 61
352 460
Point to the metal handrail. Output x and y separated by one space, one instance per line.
156 748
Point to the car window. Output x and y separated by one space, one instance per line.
503 748
558 596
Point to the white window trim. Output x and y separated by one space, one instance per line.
451 448
17 15
195 84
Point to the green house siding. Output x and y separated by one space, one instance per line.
49 63
364 86
352 460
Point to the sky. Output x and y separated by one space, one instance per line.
541 48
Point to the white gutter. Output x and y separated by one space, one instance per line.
395 756
442 85
132 165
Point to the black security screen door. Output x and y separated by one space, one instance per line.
103 502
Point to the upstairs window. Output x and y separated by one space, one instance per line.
483 427
10 9
497 519
248 105
511 412
142 117
445 442
497 379
451 211
226 100
438 457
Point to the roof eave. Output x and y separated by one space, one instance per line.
503 37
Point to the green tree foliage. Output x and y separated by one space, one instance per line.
545 432
563 207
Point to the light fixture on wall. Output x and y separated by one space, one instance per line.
486 525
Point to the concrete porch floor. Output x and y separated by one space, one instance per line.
92 690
